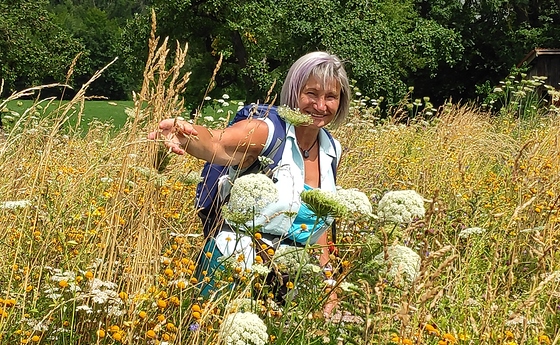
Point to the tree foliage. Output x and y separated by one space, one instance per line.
383 42
99 26
496 35
443 48
33 49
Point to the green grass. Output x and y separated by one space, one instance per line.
112 112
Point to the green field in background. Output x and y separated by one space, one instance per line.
112 112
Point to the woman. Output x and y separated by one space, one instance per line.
318 86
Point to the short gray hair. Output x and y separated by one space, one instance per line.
324 66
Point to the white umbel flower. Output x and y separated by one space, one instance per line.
402 262
401 206
15 204
243 329
468 232
357 203
290 259
249 195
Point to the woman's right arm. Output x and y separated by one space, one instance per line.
239 144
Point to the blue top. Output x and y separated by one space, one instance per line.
307 217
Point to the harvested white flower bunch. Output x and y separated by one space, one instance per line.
402 264
249 195
244 328
356 202
402 206
294 116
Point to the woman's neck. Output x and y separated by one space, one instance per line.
306 136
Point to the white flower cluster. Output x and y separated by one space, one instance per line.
249 195
54 292
104 293
242 305
261 270
402 206
291 259
402 262
356 202
243 328
12 205
468 232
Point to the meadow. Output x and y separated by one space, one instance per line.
100 238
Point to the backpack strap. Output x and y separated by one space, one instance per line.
334 165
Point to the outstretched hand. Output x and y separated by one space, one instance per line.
175 134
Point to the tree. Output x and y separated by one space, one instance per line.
496 35
33 49
384 42
98 25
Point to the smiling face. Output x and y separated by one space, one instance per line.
320 100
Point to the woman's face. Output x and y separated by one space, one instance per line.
320 101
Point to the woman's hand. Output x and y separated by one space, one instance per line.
175 134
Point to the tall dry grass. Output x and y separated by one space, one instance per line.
102 247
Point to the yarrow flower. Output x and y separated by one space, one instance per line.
402 262
468 232
355 201
294 116
347 286
401 206
249 195
243 328
323 203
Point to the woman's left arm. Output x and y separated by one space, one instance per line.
324 257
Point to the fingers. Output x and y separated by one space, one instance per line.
177 126
176 148
186 128
175 134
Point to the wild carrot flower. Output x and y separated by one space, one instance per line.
468 232
323 203
401 206
249 195
291 259
356 202
401 262
260 269
294 116
243 328
12 205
